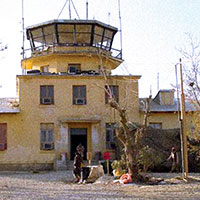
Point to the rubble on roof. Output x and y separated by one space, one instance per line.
9 105
156 107
164 101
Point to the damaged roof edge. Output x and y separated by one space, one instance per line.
157 108
9 110
9 106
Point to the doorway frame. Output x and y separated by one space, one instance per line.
89 135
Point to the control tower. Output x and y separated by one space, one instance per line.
55 43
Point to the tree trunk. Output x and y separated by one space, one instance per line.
131 142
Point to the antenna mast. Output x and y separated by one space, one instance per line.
109 18
87 9
120 21
70 17
158 76
23 37
150 90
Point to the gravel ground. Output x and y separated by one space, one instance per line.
58 185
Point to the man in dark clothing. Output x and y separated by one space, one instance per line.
175 160
78 162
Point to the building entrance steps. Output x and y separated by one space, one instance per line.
69 164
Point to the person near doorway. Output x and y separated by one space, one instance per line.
175 160
78 162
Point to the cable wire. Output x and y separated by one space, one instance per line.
62 9
75 9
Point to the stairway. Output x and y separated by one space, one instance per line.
69 164
60 165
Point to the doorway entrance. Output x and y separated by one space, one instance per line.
78 136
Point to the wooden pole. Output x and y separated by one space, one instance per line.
107 167
89 157
183 127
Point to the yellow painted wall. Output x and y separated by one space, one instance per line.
22 141
24 128
169 120
59 61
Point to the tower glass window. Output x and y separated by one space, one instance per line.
71 33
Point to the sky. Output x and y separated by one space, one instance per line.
152 31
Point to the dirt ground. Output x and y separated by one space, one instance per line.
58 186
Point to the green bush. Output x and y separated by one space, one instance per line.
148 157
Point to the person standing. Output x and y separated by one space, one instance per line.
78 162
175 160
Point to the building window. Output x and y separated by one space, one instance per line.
74 68
157 125
110 136
46 94
111 91
79 95
3 136
47 136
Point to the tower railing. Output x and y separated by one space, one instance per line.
71 49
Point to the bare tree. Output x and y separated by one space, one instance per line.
191 63
129 134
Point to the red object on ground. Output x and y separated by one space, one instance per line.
126 178
106 156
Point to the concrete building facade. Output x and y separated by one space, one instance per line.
63 96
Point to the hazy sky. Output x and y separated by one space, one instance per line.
151 29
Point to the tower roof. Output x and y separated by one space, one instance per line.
75 21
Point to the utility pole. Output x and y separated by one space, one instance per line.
183 128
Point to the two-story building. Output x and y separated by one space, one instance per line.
165 111
62 99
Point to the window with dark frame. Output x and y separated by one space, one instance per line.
74 68
71 34
46 94
156 125
3 136
46 136
110 136
111 91
79 95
